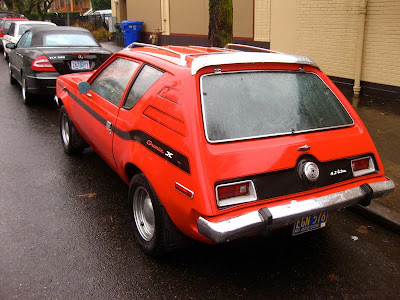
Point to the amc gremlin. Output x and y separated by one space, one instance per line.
218 144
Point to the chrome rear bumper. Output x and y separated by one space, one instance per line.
268 218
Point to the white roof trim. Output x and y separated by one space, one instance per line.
247 58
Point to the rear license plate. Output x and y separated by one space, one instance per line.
310 223
80 65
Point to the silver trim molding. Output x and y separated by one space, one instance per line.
282 215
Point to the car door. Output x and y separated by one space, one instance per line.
98 109
10 33
17 54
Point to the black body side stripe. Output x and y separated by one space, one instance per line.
169 154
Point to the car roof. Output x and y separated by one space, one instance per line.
35 22
35 30
38 32
14 19
198 57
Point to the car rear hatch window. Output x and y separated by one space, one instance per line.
69 39
246 105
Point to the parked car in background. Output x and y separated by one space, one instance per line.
220 144
45 52
10 14
5 24
17 29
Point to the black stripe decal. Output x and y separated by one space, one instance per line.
159 148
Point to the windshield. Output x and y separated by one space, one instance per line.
68 39
25 27
246 105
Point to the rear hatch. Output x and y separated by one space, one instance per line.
277 133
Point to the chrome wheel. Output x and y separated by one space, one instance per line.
143 213
65 129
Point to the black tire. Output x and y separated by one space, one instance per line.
148 216
13 81
5 55
27 97
72 141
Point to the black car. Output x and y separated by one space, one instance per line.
43 53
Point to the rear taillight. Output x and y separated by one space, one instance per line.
362 166
235 193
42 63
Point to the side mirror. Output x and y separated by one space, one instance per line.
83 87
11 45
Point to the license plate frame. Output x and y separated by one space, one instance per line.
80 65
310 223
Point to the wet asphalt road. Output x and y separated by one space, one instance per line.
65 233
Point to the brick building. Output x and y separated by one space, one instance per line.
351 40
74 5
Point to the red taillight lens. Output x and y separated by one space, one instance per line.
362 166
42 63
233 190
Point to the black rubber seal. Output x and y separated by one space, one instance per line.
368 194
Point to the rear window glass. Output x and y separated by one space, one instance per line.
246 105
70 39
147 77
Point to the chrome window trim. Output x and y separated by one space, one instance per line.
252 196
267 135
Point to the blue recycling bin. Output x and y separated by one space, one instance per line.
131 31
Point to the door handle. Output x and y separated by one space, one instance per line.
109 125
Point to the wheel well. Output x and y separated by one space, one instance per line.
131 170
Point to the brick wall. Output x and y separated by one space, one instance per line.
327 32
262 20
381 62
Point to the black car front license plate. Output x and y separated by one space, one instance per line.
310 223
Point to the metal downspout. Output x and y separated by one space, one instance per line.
360 45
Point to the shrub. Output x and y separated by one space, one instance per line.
84 24
102 34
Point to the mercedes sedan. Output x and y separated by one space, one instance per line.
43 53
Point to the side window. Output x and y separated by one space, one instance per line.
147 77
25 41
11 30
112 81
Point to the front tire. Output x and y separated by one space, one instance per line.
72 141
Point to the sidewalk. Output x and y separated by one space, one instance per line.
382 119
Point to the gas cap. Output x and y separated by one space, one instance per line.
308 171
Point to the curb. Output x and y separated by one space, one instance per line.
380 215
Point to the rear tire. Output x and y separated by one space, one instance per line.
72 141
5 55
27 97
148 216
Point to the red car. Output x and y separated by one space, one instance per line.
219 144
